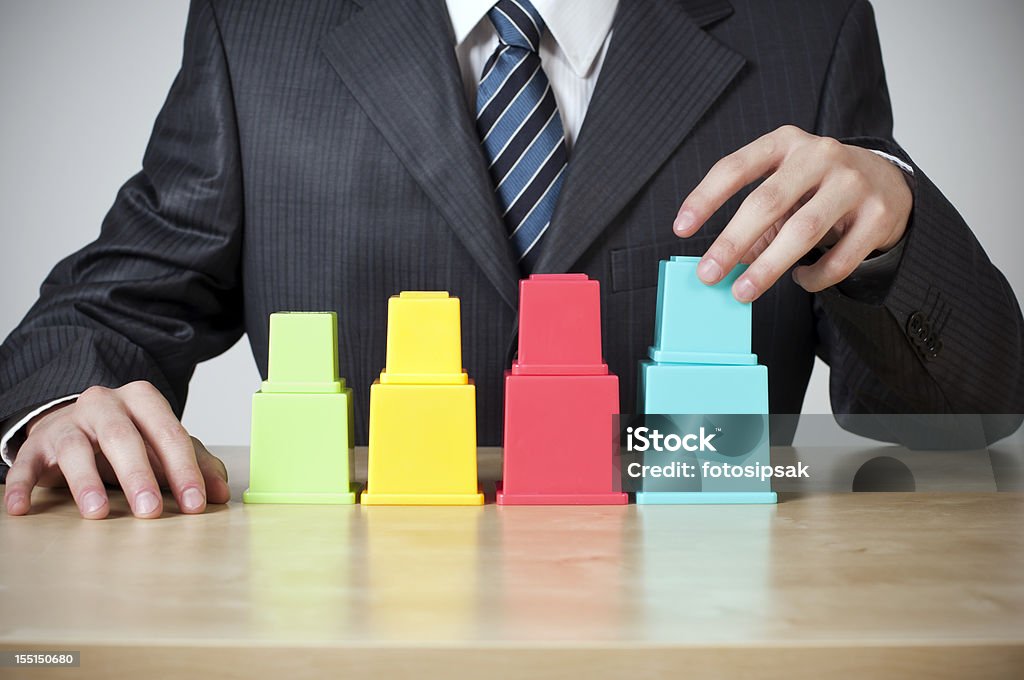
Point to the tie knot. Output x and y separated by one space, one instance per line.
518 23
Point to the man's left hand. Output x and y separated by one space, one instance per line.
816 191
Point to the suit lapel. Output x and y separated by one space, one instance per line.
661 74
398 60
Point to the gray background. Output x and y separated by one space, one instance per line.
81 83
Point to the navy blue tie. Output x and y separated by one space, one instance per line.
520 128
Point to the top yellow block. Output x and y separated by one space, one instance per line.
424 340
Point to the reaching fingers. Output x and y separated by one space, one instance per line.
797 236
764 207
729 175
799 176
814 190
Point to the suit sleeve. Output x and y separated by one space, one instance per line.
944 336
159 289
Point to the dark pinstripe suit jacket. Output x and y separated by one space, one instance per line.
319 155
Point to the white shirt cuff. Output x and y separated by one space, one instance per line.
6 437
902 165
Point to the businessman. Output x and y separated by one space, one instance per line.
325 154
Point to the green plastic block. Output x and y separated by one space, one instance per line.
303 353
300 449
302 417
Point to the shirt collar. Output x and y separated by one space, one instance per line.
578 26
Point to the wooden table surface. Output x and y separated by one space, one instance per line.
863 585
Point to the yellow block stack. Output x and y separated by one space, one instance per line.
423 409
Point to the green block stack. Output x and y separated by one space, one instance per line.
302 417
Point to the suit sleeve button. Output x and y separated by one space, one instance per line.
915 324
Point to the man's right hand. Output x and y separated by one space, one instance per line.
126 436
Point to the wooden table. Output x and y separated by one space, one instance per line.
864 585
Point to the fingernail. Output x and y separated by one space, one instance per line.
683 222
744 290
92 502
146 503
192 499
709 271
13 501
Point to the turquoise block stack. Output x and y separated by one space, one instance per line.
701 372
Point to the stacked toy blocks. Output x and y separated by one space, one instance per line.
701 365
423 409
302 416
560 399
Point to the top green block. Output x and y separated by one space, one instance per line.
303 353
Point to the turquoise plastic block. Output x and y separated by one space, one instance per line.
691 390
697 323
702 388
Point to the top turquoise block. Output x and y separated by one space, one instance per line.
697 323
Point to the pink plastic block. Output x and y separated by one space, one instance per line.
559 326
560 400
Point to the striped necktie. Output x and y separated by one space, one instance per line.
520 128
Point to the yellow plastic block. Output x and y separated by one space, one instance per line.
423 410
424 340
422 445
